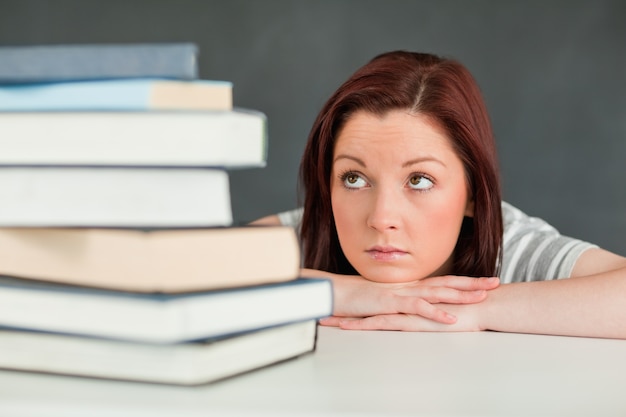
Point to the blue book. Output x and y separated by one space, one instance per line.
118 95
62 62
159 317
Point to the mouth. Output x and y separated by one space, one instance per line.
385 253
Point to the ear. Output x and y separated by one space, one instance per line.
469 208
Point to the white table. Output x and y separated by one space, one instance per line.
367 374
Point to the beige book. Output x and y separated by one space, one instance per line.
174 260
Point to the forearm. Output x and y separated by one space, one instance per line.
271 220
591 306
354 296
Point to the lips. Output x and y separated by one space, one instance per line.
385 253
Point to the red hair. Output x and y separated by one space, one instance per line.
445 91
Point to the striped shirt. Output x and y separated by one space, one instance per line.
533 250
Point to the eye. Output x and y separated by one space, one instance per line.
420 182
353 180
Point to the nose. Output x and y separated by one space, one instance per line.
385 210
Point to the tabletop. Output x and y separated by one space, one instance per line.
367 373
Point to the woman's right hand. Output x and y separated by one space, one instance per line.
355 296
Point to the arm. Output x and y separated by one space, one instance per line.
271 220
355 296
591 303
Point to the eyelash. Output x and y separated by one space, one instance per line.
345 174
426 177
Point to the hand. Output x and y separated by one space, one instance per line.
468 320
357 297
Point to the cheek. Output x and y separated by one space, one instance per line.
348 216
445 219
341 212
445 224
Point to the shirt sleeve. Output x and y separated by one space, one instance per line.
292 218
533 250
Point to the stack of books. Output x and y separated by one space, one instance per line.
118 254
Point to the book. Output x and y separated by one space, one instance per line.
158 317
62 62
181 364
114 197
232 139
162 260
135 94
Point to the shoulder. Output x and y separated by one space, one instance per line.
291 218
534 250
517 224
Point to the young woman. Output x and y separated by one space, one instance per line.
403 211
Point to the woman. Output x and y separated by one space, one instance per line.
402 210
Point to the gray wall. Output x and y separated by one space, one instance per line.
553 74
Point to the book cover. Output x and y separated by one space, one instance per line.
158 317
137 94
62 62
164 260
232 139
114 197
181 364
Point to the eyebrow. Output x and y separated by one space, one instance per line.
353 158
404 165
423 159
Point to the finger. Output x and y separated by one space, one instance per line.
400 322
331 321
420 307
439 295
463 283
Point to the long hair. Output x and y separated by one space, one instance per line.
439 88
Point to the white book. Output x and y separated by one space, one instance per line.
185 363
231 138
114 197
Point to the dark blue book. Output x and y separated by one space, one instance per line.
63 62
159 317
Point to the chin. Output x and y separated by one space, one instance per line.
390 274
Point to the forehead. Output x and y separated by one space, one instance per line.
396 130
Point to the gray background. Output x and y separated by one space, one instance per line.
553 74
